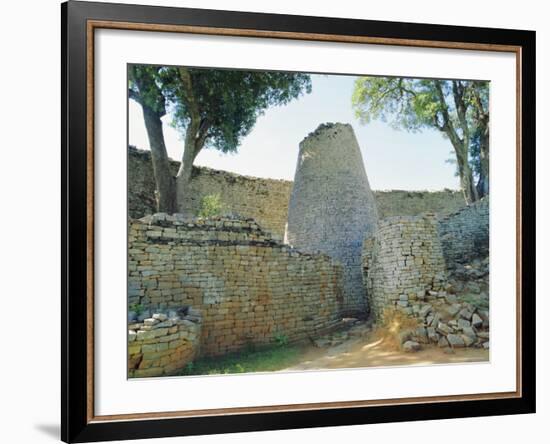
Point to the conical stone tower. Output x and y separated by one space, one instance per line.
332 207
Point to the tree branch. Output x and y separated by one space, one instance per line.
192 104
134 95
447 126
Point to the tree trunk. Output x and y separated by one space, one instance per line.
183 178
483 182
164 179
465 173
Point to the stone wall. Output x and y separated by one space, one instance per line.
332 207
249 288
403 263
266 200
465 233
163 343
413 203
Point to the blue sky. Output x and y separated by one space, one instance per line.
393 159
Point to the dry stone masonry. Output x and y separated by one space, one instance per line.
249 288
201 287
405 274
265 200
465 233
332 207
403 263
164 343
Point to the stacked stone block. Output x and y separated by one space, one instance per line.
465 233
332 207
403 263
265 200
249 288
164 343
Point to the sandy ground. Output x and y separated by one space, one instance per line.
374 352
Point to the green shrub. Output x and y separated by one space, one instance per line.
137 309
281 339
211 205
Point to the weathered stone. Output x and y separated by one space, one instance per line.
451 299
331 169
425 310
443 328
421 335
442 343
468 340
453 310
160 317
322 343
483 334
465 233
150 322
476 320
432 334
463 323
469 331
465 314
411 346
455 341
144 335
404 336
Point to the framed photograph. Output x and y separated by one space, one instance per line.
275 221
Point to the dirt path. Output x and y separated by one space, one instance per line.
374 352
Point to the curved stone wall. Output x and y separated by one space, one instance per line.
163 343
250 289
403 263
331 206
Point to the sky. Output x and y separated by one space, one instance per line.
393 159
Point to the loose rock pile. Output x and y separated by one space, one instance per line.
456 317
160 344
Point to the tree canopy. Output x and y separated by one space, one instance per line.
212 108
459 109
226 102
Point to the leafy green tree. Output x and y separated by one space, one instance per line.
213 108
459 109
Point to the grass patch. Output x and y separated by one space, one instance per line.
248 361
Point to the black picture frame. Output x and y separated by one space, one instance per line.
77 318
